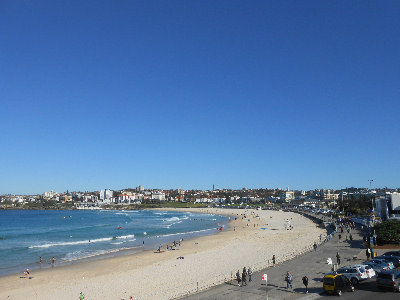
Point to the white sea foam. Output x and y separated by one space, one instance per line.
125 236
173 219
70 243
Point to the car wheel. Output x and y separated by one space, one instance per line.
354 281
339 293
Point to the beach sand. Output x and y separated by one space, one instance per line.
207 261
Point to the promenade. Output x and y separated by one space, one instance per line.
313 264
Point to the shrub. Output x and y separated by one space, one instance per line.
388 232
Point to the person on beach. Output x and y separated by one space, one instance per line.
288 279
273 260
238 277
244 277
338 258
53 260
305 282
40 260
315 246
249 272
81 296
27 272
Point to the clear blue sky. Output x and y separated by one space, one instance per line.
168 94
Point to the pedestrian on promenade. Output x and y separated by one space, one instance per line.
273 259
315 246
244 277
340 237
368 253
238 277
351 238
249 272
338 258
305 282
288 279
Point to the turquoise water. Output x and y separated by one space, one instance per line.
70 236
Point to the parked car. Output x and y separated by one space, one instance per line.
394 259
354 273
384 262
392 253
336 284
368 269
389 279
378 267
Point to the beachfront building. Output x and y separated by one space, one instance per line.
106 195
158 195
49 195
287 196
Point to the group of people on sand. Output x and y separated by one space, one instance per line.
172 246
242 278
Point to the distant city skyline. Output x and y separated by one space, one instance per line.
189 94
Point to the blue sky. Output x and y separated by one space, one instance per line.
168 94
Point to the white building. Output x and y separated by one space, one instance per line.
106 195
158 196
49 195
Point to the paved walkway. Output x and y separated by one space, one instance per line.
312 264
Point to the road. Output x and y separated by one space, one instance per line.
312 264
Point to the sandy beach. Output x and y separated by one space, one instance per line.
250 241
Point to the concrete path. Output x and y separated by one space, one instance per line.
313 264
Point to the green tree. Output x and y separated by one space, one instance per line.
388 232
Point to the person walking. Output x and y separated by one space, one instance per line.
338 258
273 260
244 277
305 282
368 253
249 272
238 277
288 279
315 246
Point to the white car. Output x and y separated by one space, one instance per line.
353 273
368 269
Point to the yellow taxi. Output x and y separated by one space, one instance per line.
336 284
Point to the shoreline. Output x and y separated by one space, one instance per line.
151 244
208 260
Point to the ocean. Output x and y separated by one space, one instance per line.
77 235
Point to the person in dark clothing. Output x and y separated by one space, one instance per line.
244 279
249 272
273 259
305 282
338 258
368 253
